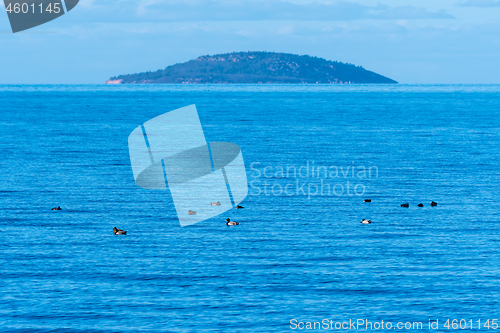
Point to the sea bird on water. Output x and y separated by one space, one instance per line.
119 231
434 204
229 222
366 221
406 205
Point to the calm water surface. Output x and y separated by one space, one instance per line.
298 256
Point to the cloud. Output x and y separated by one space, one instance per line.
278 10
248 10
410 12
479 3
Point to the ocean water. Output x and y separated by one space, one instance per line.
300 251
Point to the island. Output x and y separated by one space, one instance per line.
256 67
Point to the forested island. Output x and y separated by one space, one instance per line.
256 67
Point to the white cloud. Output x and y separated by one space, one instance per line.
479 3
248 10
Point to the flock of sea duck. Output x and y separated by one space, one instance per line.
117 231
405 205
190 212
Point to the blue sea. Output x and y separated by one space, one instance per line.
300 253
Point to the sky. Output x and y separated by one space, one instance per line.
423 42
